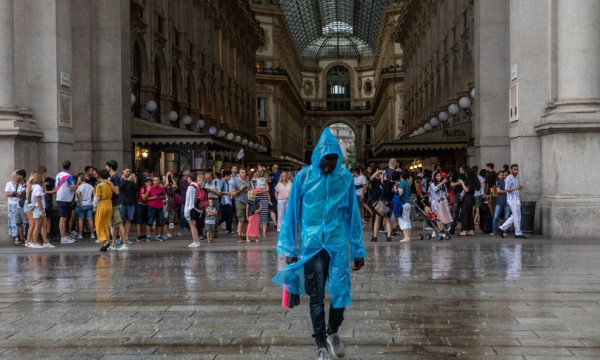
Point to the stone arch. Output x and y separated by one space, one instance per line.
342 121
191 92
160 65
266 140
456 77
466 69
177 82
140 45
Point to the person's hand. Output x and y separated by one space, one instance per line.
358 263
520 187
290 260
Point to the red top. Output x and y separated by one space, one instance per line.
141 194
155 191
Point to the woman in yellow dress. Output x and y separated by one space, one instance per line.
103 209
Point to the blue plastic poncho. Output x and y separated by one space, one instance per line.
324 208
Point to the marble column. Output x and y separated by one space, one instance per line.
7 85
570 128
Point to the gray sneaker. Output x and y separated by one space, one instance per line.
323 354
335 344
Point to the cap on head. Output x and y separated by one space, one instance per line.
148 179
112 162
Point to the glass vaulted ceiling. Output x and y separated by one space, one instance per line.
334 28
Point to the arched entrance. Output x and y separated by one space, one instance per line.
347 140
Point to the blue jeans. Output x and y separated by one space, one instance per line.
497 212
316 271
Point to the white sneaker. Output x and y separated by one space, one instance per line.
48 246
98 242
74 234
192 245
66 240
123 247
79 237
36 246
323 354
112 248
92 236
336 345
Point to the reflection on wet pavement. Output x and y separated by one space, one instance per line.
481 298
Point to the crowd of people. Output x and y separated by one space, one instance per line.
104 204
386 197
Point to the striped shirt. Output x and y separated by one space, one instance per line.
511 182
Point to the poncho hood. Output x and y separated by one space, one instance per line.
327 144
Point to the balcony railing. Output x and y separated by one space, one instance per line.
335 107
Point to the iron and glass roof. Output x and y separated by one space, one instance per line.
334 28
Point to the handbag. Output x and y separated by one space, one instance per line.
97 197
380 207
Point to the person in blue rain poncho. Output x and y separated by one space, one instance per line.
322 207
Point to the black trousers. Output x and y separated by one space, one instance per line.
455 212
316 271
467 222
226 216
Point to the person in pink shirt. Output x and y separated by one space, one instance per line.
154 199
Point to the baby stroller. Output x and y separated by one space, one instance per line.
431 226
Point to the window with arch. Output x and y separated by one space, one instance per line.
137 80
338 88
157 113
175 103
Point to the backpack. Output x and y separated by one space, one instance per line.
201 200
22 199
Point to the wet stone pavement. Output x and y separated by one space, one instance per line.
469 298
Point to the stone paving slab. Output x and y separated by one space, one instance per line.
475 298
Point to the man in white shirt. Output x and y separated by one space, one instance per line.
513 193
360 181
65 192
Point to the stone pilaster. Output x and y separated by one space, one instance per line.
7 74
111 106
18 133
530 46
570 202
491 67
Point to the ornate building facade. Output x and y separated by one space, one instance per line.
306 82
518 79
145 82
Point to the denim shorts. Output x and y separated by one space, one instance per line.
37 212
20 217
128 212
155 214
85 212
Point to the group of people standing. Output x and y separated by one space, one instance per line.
455 198
105 204
236 196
